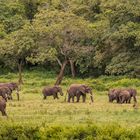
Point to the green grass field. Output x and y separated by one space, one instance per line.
33 111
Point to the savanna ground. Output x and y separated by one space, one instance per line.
35 118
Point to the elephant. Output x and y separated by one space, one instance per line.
12 86
124 96
133 94
79 90
5 92
52 91
113 94
3 107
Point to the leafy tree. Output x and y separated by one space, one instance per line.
17 47
64 32
12 15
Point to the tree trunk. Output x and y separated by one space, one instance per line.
72 68
20 72
61 73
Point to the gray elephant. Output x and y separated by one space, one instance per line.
113 94
12 86
5 92
3 107
52 91
79 90
133 94
124 96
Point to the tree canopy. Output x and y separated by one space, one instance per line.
95 37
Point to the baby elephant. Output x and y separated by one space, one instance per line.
3 107
52 91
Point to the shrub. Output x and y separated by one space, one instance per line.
78 132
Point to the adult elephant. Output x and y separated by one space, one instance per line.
124 96
113 94
79 90
12 86
3 107
5 92
52 91
133 94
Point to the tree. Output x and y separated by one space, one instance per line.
12 15
66 33
17 47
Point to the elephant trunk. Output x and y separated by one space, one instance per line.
91 96
65 96
61 93
135 101
17 95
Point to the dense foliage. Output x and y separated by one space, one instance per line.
96 36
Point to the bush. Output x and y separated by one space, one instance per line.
78 132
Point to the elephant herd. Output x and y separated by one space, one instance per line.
122 95
6 90
75 90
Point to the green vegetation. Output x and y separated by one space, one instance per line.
80 40
35 118
97 37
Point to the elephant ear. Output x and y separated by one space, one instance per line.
56 88
82 89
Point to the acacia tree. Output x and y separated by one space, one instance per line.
17 47
66 34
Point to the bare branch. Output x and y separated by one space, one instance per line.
59 62
62 52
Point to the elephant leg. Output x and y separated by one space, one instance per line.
57 96
123 100
69 97
73 99
45 97
135 99
78 98
3 112
11 97
54 95
84 98
118 100
129 100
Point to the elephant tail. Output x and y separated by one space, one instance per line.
66 96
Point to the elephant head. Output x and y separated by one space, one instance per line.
86 89
59 89
112 95
14 86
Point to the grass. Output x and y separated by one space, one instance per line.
32 110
